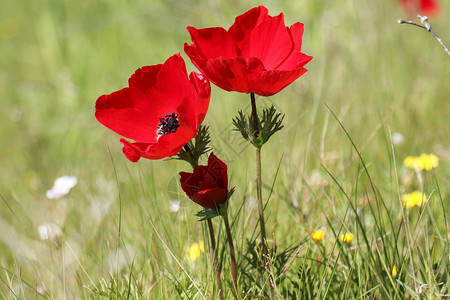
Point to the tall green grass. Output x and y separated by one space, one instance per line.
332 167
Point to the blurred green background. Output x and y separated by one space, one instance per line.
58 57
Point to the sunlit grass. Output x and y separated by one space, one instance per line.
343 173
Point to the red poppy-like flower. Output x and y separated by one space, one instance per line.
258 54
207 185
424 7
161 109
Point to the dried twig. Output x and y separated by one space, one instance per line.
291 260
426 25
272 281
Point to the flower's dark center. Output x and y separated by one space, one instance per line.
168 124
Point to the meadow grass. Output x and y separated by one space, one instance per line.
333 167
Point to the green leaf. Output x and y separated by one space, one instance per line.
192 151
270 123
207 214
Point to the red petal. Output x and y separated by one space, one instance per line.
172 143
213 42
203 182
219 169
159 151
296 32
189 183
149 151
210 198
270 41
203 88
271 82
151 80
173 84
131 151
192 51
230 74
295 61
247 22
144 78
424 7
129 113
428 7
226 74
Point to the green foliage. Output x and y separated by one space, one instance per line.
271 122
268 124
196 148
245 126
121 240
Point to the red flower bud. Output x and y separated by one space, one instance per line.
207 185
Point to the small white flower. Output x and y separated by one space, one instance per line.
397 138
61 187
49 231
174 205
251 203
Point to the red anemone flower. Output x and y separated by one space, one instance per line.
258 54
207 185
161 109
424 7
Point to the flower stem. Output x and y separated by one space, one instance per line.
215 260
254 115
232 257
262 225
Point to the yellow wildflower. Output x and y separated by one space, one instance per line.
318 235
194 251
428 161
414 199
422 162
410 162
394 271
347 238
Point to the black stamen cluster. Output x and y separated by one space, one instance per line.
168 124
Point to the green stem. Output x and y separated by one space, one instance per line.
215 259
262 222
258 182
232 257
254 115
193 160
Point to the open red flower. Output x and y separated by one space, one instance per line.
207 185
424 7
161 109
258 54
